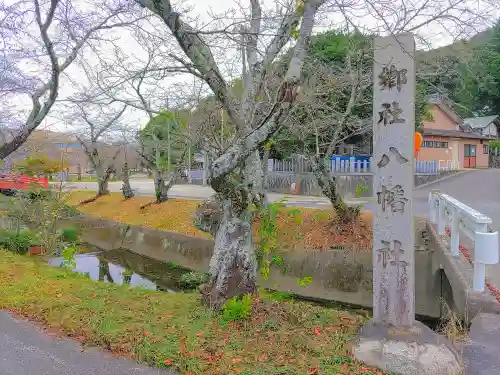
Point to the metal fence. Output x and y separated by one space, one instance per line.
348 166
495 151
295 175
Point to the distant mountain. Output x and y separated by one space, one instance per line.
461 50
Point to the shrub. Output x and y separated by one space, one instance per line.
69 255
192 280
281 296
69 235
237 309
36 193
18 242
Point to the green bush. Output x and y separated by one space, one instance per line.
281 296
18 242
237 309
35 193
69 235
192 280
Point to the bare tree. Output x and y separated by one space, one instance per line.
268 90
39 41
94 123
164 145
334 105
233 267
165 142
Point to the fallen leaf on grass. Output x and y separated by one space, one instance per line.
331 329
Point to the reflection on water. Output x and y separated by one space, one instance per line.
123 267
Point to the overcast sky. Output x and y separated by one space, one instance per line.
438 35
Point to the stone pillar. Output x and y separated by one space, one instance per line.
393 340
393 181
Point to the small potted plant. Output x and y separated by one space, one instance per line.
34 249
21 242
27 241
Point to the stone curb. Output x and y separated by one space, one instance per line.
441 179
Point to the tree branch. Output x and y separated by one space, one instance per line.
110 123
197 51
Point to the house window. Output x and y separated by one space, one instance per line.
486 149
434 144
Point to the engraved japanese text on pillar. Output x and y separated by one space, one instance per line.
393 133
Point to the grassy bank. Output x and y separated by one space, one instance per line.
309 229
174 330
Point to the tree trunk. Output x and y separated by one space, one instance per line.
126 188
103 188
103 176
104 271
233 267
208 215
254 178
328 185
162 188
102 183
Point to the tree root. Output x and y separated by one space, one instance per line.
144 206
345 213
93 199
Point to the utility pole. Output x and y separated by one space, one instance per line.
189 155
222 128
168 150
169 163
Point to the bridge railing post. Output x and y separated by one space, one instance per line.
432 207
455 230
441 221
485 253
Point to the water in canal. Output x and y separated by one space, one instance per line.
124 267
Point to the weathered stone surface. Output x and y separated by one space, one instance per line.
393 180
494 161
482 350
414 351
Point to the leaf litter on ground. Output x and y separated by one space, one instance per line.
175 330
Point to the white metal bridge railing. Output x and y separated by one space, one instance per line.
449 213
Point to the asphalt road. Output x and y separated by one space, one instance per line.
145 187
26 350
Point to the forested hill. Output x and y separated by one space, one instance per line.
467 71
461 47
